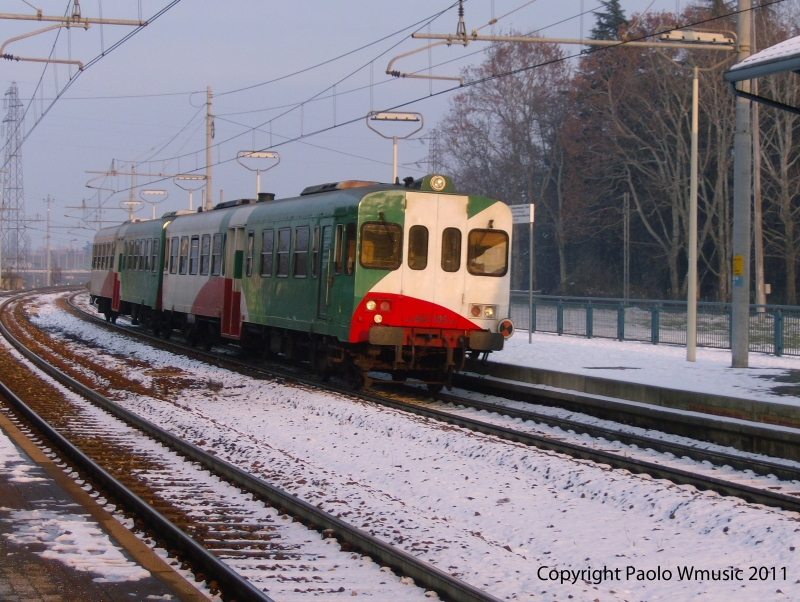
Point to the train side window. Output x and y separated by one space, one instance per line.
194 253
136 244
248 260
284 235
381 246
216 255
144 249
205 254
183 258
224 251
166 255
314 252
300 252
451 249
148 245
418 247
350 259
154 255
267 247
337 250
173 256
100 257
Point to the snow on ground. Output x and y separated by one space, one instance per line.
497 514
659 365
73 539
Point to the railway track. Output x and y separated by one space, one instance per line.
409 399
205 510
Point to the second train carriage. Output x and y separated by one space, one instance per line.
366 276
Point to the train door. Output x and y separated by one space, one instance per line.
232 295
325 269
116 263
448 251
419 265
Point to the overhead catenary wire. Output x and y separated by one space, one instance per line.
489 78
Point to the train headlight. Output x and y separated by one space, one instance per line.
489 311
378 319
371 305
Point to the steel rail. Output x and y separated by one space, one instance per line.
404 563
229 581
614 459
759 466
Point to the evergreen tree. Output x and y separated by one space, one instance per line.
608 21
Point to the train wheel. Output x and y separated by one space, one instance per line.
435 387
399 376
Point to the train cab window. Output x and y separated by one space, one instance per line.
337 250
381 246
154 256
300 252
248 260
267 247
146 246
284 234
350 257
194 254
451 249
418 247
487 253
216 255
173 256
314 252
205 254
183 257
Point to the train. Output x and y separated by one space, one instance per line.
407 279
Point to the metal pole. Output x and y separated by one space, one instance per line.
47 246
626 244
132 199
394 159
742 187
761 293
209 130
258 183
530 283
691 296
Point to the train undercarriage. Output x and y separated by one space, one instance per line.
428 355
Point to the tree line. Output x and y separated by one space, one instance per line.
575 135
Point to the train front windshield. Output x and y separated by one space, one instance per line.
487 253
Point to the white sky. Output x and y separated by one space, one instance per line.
230 45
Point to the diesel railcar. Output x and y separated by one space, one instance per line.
352 276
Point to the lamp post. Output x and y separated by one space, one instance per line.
193 185
396 117
256 155
153 197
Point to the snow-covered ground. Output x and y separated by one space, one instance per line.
659 365
66 534
504 517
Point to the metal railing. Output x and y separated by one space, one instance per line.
774 329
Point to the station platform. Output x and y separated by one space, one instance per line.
58 544
767 392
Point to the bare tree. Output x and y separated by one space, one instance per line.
502 135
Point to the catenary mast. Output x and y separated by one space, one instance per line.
13 236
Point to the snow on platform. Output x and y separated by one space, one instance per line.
769 378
